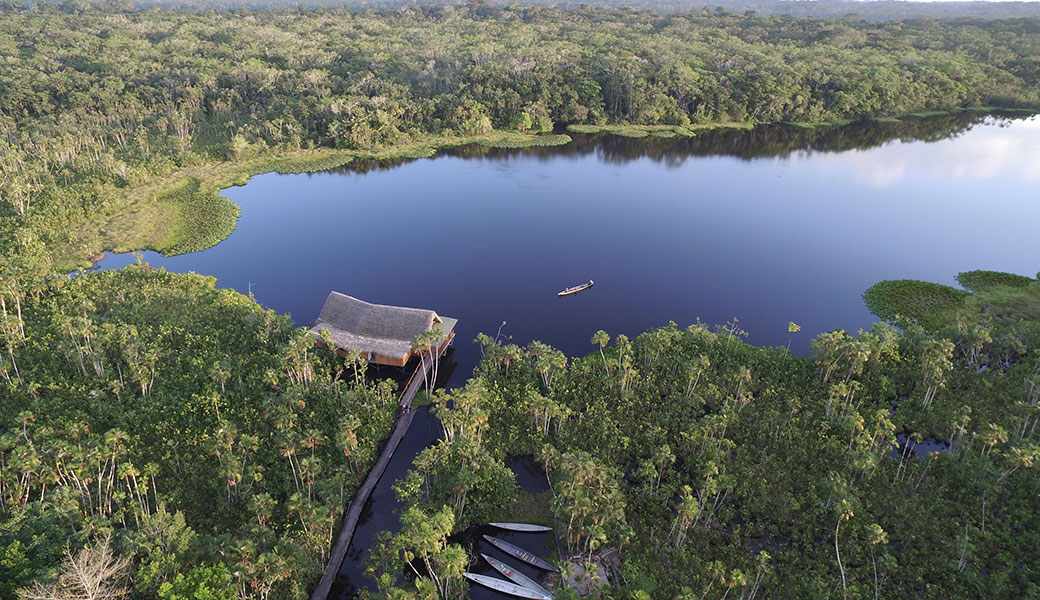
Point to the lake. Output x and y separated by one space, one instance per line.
775 225
769 226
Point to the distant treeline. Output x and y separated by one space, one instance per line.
96 99
877 10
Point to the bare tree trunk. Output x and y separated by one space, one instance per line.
844 587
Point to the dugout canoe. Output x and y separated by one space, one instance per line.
506 587
575 289
517 577
522 527
520 553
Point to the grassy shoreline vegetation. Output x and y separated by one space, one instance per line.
184 211
117 128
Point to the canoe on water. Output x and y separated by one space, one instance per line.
517 577
523 527
575 289
520 553
506 587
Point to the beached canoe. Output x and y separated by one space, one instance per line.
523 527
506 587
517 577
575 289
520 553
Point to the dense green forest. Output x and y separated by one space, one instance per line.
895 463
172 440
195 437
118 128
849 9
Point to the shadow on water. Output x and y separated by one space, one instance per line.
917 448
920 449
530 476
445 371
779 211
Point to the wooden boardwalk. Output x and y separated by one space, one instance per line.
350 519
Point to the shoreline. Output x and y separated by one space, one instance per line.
182 211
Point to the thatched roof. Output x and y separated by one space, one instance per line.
376 328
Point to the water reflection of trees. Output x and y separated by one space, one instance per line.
778 140
765 141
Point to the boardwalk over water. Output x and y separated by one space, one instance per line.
350 519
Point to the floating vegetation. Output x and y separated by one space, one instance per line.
905 301
986 280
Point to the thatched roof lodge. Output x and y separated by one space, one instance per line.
383 334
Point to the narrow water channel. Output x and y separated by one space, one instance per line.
381 511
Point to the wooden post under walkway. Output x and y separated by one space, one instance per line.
350 519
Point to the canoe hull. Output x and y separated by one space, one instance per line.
574 290
517 577
522 527
520 553
506 587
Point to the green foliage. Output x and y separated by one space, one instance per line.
590 501
198 429
32 542
748 471
987 280
200 583
162 543
460 471
904 301
993 323
424 538
194 425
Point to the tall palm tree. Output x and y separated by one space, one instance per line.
602 338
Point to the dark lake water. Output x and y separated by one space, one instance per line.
774 225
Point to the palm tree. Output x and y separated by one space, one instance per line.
424 536
792 328
312 440
736 579
1019 458
694 370
346 438
220 373
877 537
429 342
310 468
288 450
602 338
